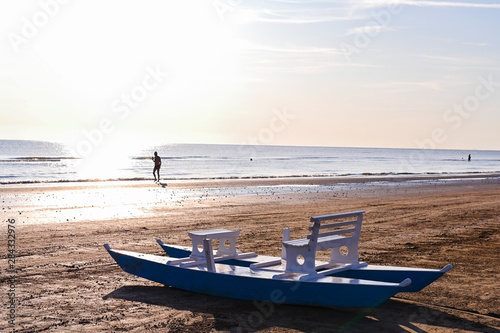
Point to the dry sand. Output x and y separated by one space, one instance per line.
66 281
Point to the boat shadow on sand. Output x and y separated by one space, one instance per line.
247 316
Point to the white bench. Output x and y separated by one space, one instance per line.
227 242
341 237
202 253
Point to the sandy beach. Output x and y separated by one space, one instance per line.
66 281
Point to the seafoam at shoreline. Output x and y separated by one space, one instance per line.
347 178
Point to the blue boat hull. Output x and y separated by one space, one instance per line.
420 278
241 283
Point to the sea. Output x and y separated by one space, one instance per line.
23 161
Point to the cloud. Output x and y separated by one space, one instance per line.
294 11
443 59
369 29
433 85
475 44
291 59
298 16
460 62
385 3
252 47
305 12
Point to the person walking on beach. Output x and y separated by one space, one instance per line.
469 157
157 167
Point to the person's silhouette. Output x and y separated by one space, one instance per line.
157 167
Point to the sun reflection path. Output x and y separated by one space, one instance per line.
112 157
115 200
91 203
94 201
103 165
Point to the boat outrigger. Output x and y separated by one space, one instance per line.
295 278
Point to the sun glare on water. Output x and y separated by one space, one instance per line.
102 166
109 160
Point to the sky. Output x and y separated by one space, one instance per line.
360 73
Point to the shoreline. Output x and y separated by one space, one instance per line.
313 179
100 201
56 196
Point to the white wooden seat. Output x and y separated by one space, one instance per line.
202 253
341 237
227 242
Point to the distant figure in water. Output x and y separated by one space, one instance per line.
469 157
157 167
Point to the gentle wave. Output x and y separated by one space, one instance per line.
37 159
297 158
175 157
206 157
31 161
365 175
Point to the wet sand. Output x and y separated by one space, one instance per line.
66 281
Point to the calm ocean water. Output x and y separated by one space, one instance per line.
37 161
